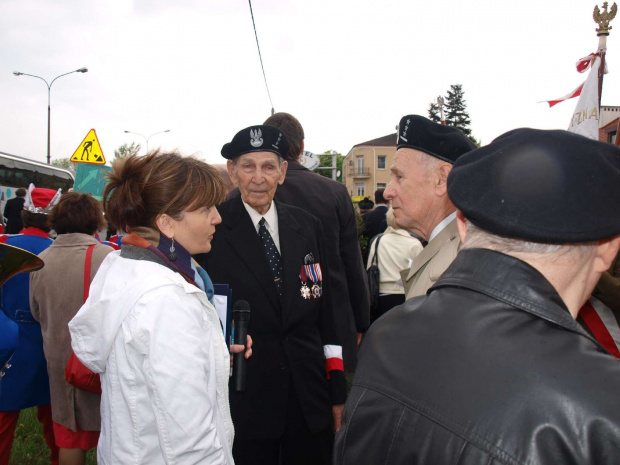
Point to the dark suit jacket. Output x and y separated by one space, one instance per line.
330 202
375 221
288 332
12 214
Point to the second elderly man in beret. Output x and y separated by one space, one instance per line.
425 154
272 255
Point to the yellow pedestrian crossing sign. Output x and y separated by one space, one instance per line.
89 150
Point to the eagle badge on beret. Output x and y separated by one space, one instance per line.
256 138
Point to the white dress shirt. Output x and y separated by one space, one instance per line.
271 221
440 227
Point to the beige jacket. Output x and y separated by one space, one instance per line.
430 264
56 294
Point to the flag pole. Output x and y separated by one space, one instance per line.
440 104
603 19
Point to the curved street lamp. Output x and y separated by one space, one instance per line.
49 90
147 138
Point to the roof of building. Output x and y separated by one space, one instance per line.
385 141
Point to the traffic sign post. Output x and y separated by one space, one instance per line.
89 150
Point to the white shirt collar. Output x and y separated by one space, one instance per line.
440 227
271 221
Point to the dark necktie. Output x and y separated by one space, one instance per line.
273 256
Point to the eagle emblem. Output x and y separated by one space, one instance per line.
256 137
603 19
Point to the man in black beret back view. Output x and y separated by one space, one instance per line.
426 152
490 366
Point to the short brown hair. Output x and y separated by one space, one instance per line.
291 128
76 213
34 220
142 188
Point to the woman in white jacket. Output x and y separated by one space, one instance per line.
148 326
397 249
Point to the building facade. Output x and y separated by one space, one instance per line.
366 167
608 125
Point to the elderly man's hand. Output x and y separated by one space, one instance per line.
337 412
238 348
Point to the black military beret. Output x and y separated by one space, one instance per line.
542 186
260 138
366 204
444 142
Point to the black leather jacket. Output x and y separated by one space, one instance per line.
488 368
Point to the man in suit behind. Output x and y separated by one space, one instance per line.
375 221
425 154
272 255
13 210
330 202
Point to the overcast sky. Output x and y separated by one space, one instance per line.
347 69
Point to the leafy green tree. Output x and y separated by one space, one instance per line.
326 160
433 112
126 150
64 163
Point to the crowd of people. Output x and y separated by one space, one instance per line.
494 337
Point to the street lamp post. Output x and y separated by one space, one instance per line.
49 90
146 138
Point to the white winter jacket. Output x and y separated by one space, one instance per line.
158 344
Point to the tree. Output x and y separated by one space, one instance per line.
126 150
326 160
433 112
64 163
455 111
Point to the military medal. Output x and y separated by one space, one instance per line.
316 291
313 272
305 292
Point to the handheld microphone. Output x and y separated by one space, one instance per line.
241 320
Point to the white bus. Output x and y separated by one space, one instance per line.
16 172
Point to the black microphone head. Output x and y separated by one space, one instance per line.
241 311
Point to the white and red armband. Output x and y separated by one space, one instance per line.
333 358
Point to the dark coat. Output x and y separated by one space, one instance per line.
289 332
488 368
330 202
12 215
375 221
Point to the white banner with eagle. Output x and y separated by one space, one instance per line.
585 120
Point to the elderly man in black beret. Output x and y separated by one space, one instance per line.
490 366
418 190
273 256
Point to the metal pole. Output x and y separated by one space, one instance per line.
602 19
602 46
49 109
49 115
146 139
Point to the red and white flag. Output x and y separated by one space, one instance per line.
586 117
570 95
582 65
602 323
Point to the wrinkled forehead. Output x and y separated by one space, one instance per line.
259 158
407 160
